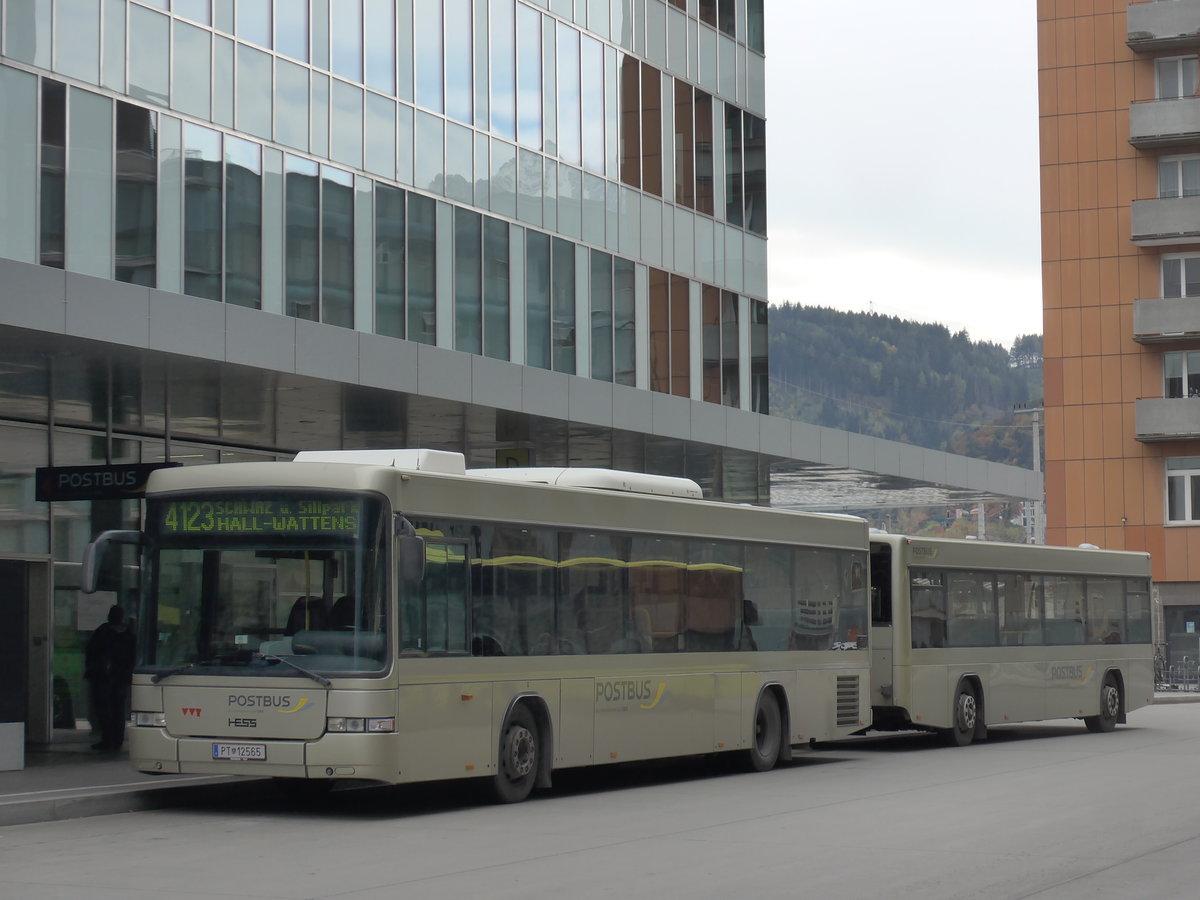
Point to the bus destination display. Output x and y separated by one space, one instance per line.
260 516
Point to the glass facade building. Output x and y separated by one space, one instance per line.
530 230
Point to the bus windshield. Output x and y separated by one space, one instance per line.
246 579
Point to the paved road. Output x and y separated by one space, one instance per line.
1046 811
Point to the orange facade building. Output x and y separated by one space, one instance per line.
1120 163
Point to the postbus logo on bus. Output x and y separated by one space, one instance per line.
617 694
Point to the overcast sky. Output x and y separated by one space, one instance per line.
903 160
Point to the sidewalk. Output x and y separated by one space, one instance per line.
69 780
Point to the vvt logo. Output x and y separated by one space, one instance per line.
193 711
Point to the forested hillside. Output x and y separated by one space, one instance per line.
904 381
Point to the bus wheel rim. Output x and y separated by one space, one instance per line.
519 759
966 711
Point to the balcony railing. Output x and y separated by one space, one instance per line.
1165 123
1175 220
1159 27
1162 419
1166 319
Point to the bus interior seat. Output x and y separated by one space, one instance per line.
341 614
308 613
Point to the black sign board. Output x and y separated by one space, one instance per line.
116 482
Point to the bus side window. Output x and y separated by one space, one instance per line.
881 584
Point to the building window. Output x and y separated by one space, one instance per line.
1176 77
136 196
670 329
1183 489
1181 275
1181 374
52 243
1179 177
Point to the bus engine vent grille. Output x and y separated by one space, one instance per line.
847 701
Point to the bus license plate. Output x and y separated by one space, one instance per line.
239 751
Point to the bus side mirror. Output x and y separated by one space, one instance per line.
411 552
93 556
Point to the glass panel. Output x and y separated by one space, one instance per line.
972 610
346 38
389 261
291 29
77 39
149 42
254 95
346 124
427 52
1137 602
302 207
291 97
537 299
1193 374
755 33
710 342
1168 179
760 389
1191 276
1176 498
379 150
422 269
460 163
1190 177
927 607
202 201
337 247
320 33
592 92
253 21
704 154
136 195
495 288
468 282
651 130
685 148
734 199
381 45
681 372
1019 625
193 67
730 368
660 332
1105 611
562 305
602 316
755 184
529 77
243 223
624 323
631 122
460 85
1172 277
568 94
1193 511
53 174
430 165
708 12
1065 609
1172 375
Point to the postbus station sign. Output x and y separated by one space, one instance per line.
113 482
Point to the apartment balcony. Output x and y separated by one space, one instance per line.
1175 220
1163 26
1166 319
1164 123
1160 419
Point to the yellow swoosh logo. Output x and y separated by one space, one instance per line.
662 687
299 706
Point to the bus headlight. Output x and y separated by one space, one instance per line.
357 725
149 719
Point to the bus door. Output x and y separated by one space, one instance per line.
882 656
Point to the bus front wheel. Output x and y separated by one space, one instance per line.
767 739
517 764
1110 708
966 716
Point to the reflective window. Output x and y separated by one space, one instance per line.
710 342
624 323
1181 374
243 222
685 147
253 21
537 299
460 85
601 298
468 282
346 123
254 95
503 62
760 388
302 208
708 12
1181 275
660 332
1175 77
495 288
730 381
380 39
592 106
755 35
320 32
192 62
681 364
346 39
389 261
337 247
568 94
291 102
380 135
562 305
529 77
651 130
76 43
202 208
754 155
1179 177
52 237
734 197
460 163
427 52
149 42
291 29
136 211
631 122
422 269
704 154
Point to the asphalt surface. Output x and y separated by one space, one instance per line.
69 780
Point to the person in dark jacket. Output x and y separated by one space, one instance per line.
108 667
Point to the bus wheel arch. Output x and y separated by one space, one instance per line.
1112 704
966 713
523 753
768 730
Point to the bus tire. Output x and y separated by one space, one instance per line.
965 715
767 737
1110 708
519 757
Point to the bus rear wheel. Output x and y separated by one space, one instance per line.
1110 708
767 739
966 716
519 757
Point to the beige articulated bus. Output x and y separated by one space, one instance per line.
391 616
967 634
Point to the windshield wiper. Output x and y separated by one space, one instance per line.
319 679
186 667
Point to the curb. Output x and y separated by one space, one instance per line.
77 803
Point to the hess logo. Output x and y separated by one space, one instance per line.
193 711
